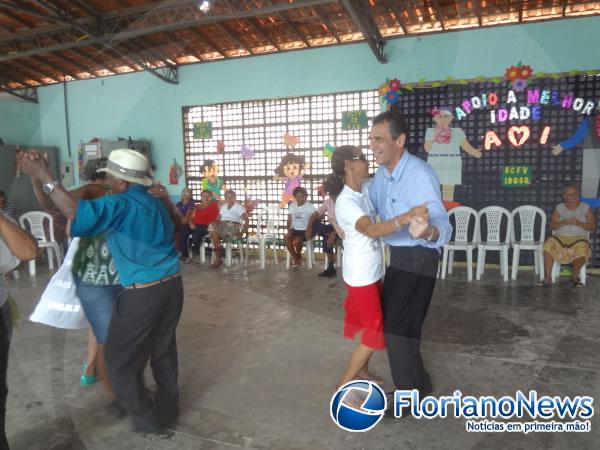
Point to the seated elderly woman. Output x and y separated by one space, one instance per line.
229 225
571 221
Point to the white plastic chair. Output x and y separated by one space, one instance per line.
34 222
462 218
310 255
267 219
229 246
202 251
526 216
556 268
494 241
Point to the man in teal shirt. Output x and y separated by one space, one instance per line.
139 228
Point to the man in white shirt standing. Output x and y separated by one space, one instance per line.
15 244
299 215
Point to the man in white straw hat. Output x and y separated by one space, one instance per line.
139 228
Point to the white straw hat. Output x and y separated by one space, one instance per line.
128 165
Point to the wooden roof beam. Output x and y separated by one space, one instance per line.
8 13
439 14
187 47
253 22
90 61
393 5
234 37
210 42
55 67
328 25
363 19
477 7
34 70
292 27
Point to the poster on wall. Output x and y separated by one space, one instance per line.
520 121
354 120
203 130
516 176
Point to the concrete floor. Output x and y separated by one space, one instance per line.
261 351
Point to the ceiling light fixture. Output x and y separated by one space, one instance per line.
205 5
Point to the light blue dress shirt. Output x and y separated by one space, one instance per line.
139 232
412 183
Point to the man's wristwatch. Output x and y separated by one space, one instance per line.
49 187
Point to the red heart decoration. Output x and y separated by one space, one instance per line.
524 133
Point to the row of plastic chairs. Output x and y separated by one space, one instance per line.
493 217
266 238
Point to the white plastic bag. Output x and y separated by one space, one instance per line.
59 306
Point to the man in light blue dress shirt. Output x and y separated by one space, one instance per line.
401 183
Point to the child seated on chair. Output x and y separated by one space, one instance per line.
231 224
205 213
299 215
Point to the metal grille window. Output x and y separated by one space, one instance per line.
260 125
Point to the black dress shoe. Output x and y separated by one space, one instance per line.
427 387
116 410
329 272
148 428
389 412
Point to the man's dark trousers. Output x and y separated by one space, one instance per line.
142 329
407 291
5 333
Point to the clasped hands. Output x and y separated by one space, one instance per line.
419 222
34 164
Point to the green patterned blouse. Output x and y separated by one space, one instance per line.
93 262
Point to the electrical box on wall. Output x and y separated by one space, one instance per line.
66 174
101 148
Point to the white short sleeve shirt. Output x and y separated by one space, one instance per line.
301 215
233 214
363 256
8 262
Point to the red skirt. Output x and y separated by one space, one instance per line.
363 313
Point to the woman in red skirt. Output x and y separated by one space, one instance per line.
362 267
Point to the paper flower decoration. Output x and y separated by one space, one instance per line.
328 150
392 97
394 84
246 152
518 75
290 141
220 146
512 73
519 85
383 89
526 72
391 91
